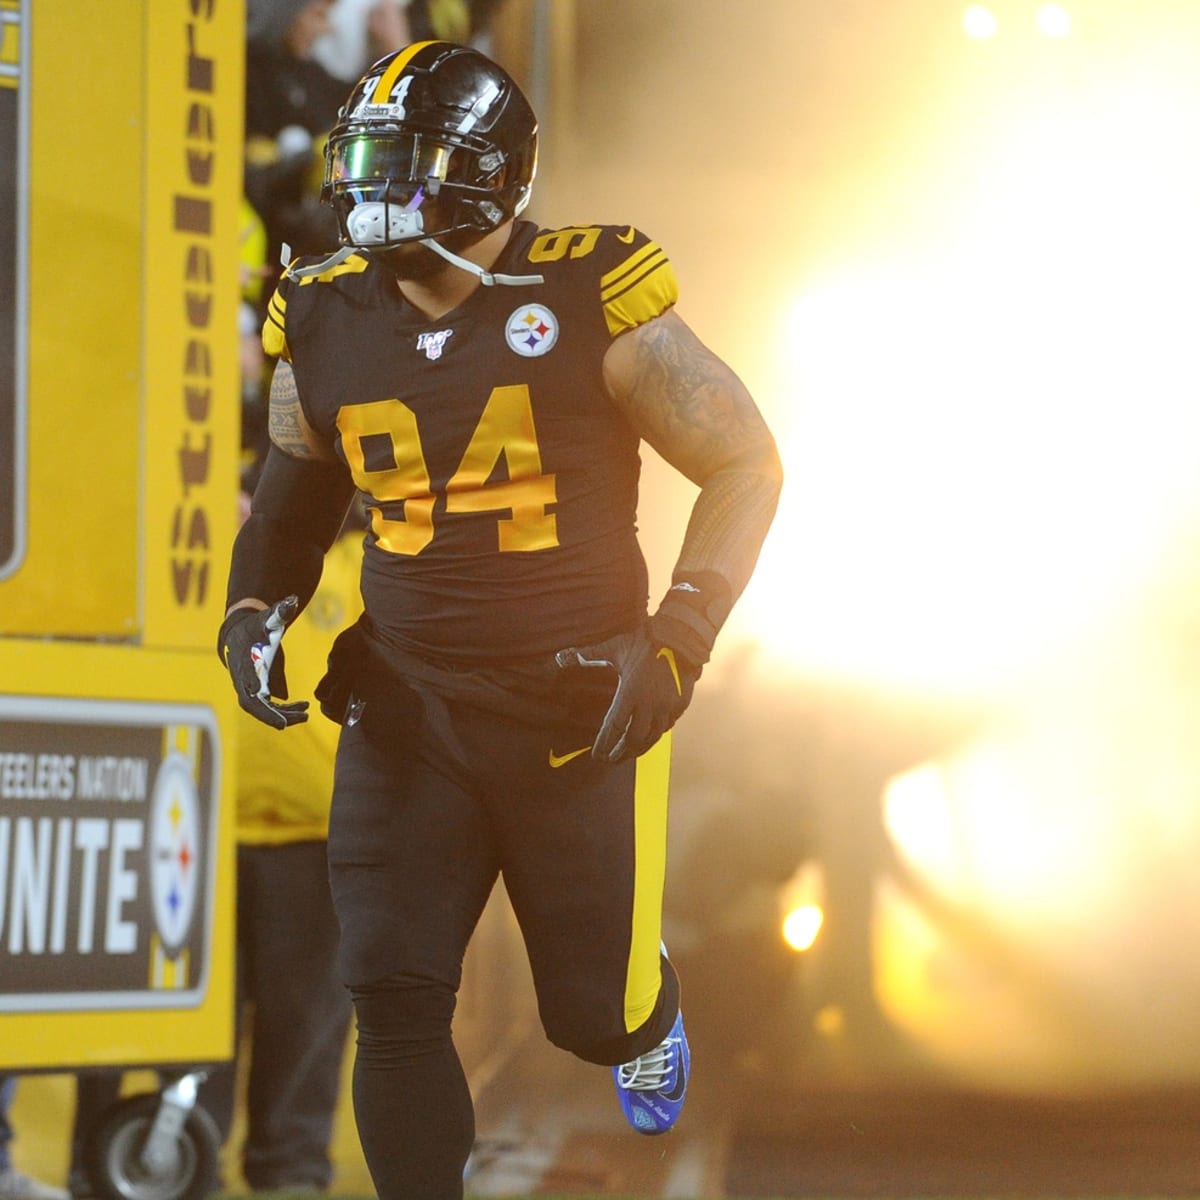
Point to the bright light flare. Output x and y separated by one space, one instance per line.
802 901
801 927
995 444
979 22
1055 891
1053 21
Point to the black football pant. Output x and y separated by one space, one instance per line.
429 808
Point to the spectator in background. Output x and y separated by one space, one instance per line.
360 31
291 100
285 85
95 1092
467 21
14 1184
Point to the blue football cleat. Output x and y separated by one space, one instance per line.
651 1087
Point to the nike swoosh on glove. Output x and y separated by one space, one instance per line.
249 646
654 687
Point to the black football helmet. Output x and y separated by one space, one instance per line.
436 142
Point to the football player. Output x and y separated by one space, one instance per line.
484 385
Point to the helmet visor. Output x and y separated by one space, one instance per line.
395 158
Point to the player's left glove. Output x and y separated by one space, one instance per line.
654 687
248 645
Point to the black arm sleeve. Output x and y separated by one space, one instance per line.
298 507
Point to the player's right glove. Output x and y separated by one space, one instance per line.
248 645
654 686
657 664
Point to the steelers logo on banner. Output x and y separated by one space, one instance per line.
174 851
532 330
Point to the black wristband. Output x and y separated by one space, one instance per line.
691 614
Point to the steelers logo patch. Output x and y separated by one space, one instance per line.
532 330
174 851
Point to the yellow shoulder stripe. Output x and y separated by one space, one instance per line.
638 290
614 277
274 339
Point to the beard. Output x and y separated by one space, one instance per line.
411 262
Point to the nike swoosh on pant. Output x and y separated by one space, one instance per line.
558 760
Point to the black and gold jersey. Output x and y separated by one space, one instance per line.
500 479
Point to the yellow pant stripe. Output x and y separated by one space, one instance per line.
643 979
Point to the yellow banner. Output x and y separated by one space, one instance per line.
121 122
77 320
194 118
119 396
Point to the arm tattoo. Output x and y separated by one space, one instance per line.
728 525
694 410
285 418
690 404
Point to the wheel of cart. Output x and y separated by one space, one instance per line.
155 1146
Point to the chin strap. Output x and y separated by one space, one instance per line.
336 259
487 278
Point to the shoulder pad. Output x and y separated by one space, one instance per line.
301 272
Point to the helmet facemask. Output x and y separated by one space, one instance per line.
391 187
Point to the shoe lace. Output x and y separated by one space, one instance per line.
649 1072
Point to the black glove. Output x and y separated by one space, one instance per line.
346 665
654 686
248 645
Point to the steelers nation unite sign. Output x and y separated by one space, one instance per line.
107 849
